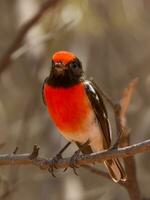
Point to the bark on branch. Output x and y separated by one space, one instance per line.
43 163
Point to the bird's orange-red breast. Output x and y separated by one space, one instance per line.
64 106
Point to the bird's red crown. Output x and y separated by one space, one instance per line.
63 56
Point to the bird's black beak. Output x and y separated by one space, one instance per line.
60 67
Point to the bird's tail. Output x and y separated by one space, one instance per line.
115 170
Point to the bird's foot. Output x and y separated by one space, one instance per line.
73 161
53 166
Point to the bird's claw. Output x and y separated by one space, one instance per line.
56 159
53 165
51 171
73 161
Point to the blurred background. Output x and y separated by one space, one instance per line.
112 39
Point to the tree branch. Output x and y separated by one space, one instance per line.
43 163
6 59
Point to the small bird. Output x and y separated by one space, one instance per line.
77 109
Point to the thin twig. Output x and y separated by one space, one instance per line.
125 100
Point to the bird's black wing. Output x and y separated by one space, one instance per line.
43 90
99 109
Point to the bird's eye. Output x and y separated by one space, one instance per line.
74 65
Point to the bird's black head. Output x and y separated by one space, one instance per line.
66 70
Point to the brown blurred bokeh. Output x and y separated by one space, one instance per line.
112 39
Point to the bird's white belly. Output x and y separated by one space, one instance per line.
91 132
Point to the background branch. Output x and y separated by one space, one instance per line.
6 59
121 121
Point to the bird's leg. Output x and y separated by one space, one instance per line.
56 158
59 154
73 159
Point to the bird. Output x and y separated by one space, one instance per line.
77 109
